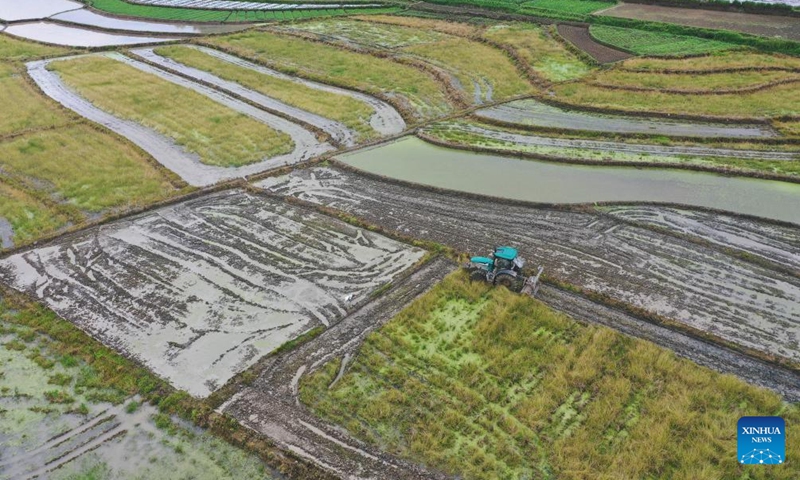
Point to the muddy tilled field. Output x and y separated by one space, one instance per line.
200 290
704 279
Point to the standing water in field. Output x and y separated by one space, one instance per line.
413 160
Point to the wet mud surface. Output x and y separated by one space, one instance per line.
338 131
201 290
582 39
702 285
271 405
533 113
163 149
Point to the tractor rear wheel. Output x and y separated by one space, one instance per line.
505 280
477 275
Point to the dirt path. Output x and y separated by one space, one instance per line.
534 113
583 40
706 287
337 130
271 405
386 120
163 149
603 146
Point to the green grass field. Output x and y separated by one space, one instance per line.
217 134
546 56
485 384
353 113
642 42
23 107
340 67
715 61
372 34
13 49
121 7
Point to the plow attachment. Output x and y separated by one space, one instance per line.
531 285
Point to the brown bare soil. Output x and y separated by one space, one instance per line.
766 25
580 37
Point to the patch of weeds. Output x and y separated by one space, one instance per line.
42 361
15 345
58 397
132 407
60 379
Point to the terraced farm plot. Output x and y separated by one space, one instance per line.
23 217
485 73
416 93
23 108
476 137
219 135
351 112
369 33
718 61
643 42
201 290
483 383
705 83
60 420
767 25
536 46
13 49
775 101
532 113
422 24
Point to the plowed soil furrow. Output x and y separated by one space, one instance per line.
164 150
656 150
386 120
533 113
582 39
271 407
747 303
338 131
245 274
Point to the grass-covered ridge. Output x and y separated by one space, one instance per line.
351 112
654 43
487 384
217 134
408 86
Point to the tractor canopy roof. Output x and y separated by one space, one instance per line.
507 253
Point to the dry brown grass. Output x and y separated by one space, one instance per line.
451 28
723 60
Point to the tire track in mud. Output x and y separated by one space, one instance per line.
185 164
337 130
271 405
530 112
706 288
198 291
386 120
606 146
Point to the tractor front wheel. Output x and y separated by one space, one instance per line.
505 280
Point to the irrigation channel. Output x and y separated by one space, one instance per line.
413 160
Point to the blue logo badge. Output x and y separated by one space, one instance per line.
762 440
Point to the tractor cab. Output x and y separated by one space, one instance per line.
503 258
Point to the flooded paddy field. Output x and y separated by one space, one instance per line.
92 19
14 10
413 160
753 304
537 114
58 421
201 290
58 34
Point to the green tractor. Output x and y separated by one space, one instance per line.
504 267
